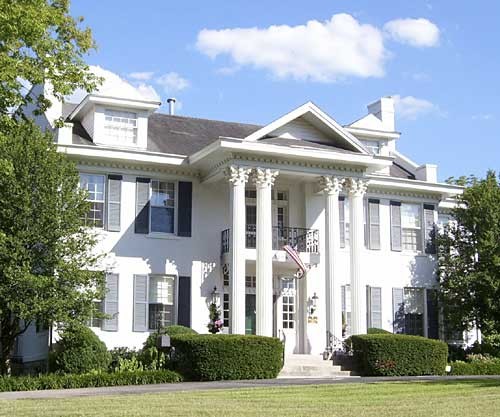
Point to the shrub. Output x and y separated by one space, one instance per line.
173 330
456 353
476 367
374 330
121 354
216 357
61 381
395 355
79 351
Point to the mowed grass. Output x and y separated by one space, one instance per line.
398 399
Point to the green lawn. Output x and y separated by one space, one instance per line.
450 398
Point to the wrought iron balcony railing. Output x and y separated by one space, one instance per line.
303 240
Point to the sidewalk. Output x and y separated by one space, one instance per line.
203 386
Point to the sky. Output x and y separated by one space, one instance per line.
253 61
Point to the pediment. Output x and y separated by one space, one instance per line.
310 124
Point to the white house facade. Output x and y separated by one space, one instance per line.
189 211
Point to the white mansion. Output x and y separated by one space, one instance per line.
191 211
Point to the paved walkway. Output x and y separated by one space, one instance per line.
202 386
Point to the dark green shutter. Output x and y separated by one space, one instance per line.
374 224
398 309
140 321
111 303
342 221
432 314
396 244
184 303
142 205
185 206
429 225
114 202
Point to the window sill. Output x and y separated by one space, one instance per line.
167 236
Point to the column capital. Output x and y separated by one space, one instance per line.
264 177
331 185
356 186
237 175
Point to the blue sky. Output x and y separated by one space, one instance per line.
445 69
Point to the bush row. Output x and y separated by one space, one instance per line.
486 367
60 381
217 357
397 355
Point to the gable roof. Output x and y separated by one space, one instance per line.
314 115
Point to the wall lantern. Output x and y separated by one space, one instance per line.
214 296
313 304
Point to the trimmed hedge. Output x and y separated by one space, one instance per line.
61 381
216 357
375 330
486 367
79 351
397 355
173 330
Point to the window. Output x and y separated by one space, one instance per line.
162 206
373 146
225 310
416 311
94 320
344 221
411 226
250 282
161 301
94 185
120 126
346 310
288 303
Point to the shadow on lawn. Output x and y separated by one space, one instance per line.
473 383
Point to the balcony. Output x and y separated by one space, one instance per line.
303 240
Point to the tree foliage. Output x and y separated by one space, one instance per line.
469 257
40 40
47 266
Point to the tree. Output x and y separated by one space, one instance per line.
40 41
48 272
469 257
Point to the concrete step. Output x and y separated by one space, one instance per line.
310 366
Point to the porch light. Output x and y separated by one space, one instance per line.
214 295
315 299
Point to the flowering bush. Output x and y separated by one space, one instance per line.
216 324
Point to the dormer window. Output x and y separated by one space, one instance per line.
120 126
373 146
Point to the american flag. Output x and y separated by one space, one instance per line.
292 253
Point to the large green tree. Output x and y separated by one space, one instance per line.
48 269
39 41
469 257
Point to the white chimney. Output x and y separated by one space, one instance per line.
426 172
383 109
171 105
65 134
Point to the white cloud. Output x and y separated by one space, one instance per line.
172 82
115 86
482 116
415 32
141 76
411 108
319 51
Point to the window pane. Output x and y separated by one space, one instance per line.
410 215
94 185
162 220
120 126
161 301
414 311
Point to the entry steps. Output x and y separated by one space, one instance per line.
311 366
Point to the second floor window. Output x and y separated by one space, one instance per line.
162 206
120 126
411 227
94 185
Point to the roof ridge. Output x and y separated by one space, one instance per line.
203 119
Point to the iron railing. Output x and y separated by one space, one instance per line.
303 240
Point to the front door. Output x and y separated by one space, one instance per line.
286 314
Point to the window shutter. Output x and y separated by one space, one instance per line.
140 323
375 307
342 221
184 303
396 226
432 314
114 202
185 208
111 303
374 224
142 206
429 225
398 309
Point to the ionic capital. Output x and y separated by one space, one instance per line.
237 175
264 177
331 185
356 186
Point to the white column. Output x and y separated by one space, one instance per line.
331 187
237 177
264 179
357 189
